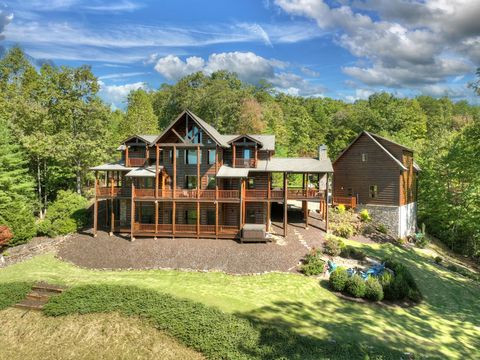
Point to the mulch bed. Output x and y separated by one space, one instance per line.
105 252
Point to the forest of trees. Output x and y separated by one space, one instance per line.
54 126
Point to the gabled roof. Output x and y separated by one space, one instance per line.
294 165
238 137
374 138
210 130
268 141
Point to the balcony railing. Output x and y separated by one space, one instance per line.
245 163
184 229
136 162
256 194
108 191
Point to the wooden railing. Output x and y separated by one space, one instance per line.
207 229
302 193
276 194
185 194
245 163
256 194
107 191
185 228
227 229
136 162
348 201
228 194
144 193
164 227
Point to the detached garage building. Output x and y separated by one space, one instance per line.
382 175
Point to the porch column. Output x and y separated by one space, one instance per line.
157 166
306 202
234 155
174 210
126 155
132 213
216 172
156 219
112 217
216 218
256 155
241 203
174 155
326 204
199 180
198 218
285 203
95 207
269 185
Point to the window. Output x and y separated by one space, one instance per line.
194 134
191 182
251 183
191 217
211 182
373 191
170 155
210 217
211 156
246 153
191 156
364 157
250 216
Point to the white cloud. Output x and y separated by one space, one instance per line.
248 66
120 75
405 43
117 95
6 18
117 6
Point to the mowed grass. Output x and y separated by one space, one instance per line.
445 325
31 335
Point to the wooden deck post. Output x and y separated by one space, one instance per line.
132 213
174 210
285 204
112 217
234 155
156 219
326 204
216 218
199 180
241 205
216 172
126 156
95 207
256 156
157 166
269 194
174 155
198 219
306 201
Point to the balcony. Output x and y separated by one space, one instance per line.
136 161
167 229
109 191
245 163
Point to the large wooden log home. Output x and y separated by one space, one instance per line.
192 181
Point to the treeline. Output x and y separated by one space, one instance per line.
60 127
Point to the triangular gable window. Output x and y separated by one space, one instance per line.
194 134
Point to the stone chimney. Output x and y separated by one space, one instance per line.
322 152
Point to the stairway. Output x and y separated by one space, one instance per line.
39 296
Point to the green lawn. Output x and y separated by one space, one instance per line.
446 324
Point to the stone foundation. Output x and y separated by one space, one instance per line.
400 221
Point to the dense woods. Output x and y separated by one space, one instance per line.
54 127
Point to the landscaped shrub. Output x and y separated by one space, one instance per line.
345 229
403 284
421 240
355 286
16 212
218 335
341 209
313 264
67 214
353 253
333 245
338 279
364 215
5 235
373 289
12 293
438 259
382 228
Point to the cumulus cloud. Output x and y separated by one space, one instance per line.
249 67
6 18
116 95
407 43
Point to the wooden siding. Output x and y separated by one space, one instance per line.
408 180
379 169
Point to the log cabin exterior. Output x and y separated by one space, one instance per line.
382 176
192 181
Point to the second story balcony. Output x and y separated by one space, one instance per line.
245 163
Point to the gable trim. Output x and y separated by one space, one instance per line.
377 143
194 118
246 136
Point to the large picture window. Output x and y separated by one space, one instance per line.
211 156
191 156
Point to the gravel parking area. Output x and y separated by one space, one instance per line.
115 252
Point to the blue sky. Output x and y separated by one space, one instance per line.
345 49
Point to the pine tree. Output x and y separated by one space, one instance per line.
16 190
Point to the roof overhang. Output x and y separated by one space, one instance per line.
111 167
227 172
247 137
143 172
294 165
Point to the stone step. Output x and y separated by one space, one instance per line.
48 287
31 304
